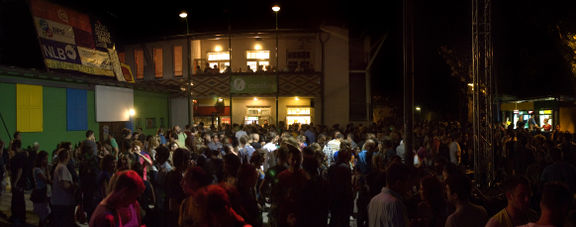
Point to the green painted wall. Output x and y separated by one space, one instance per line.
150 106
54 128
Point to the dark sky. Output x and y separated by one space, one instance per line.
529 56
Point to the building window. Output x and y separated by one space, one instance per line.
298 115
298 60
178 61
157 62
139 59
219 59
258 60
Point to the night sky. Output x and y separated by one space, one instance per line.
529 55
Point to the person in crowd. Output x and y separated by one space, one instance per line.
215 143
270 184
18 179
241 132
174 192
180 136
245 150
270 148
388 209
39 195
194 179
517 211
143 158
332 147
120 207
458 192
546 127
255 141
249 208
108 168
432 211
454 149
340 183
63 190
161 136
559 170
289 189
159 182
88 172
218 208
554 205
532 124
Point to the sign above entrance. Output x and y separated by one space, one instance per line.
253 84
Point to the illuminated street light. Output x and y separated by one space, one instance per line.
418 109
276 8
184 15
132 112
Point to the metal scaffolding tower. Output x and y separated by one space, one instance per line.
483 91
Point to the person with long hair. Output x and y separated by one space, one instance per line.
120 207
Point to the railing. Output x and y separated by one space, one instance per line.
306 84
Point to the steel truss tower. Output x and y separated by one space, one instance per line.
483 90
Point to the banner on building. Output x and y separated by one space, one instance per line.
253 84
70 40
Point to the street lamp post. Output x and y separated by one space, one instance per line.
184 15
276 9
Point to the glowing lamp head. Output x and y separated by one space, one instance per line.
131 112
255 99
276 8
220 99
418 108
183 14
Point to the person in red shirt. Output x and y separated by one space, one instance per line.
547 127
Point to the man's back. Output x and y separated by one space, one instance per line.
468 216
387 210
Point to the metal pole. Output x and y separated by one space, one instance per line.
408 58
189 82
277 71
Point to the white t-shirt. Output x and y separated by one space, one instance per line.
454 148
61 196
270 158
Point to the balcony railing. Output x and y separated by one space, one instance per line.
290 84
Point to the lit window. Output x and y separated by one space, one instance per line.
299 111
157 62
258 54
177 60
218 56
220 59
139 59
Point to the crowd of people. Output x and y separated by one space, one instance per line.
304 175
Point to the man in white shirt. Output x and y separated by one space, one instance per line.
63 187
401 151
454 148
332 147
270 149
387 209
